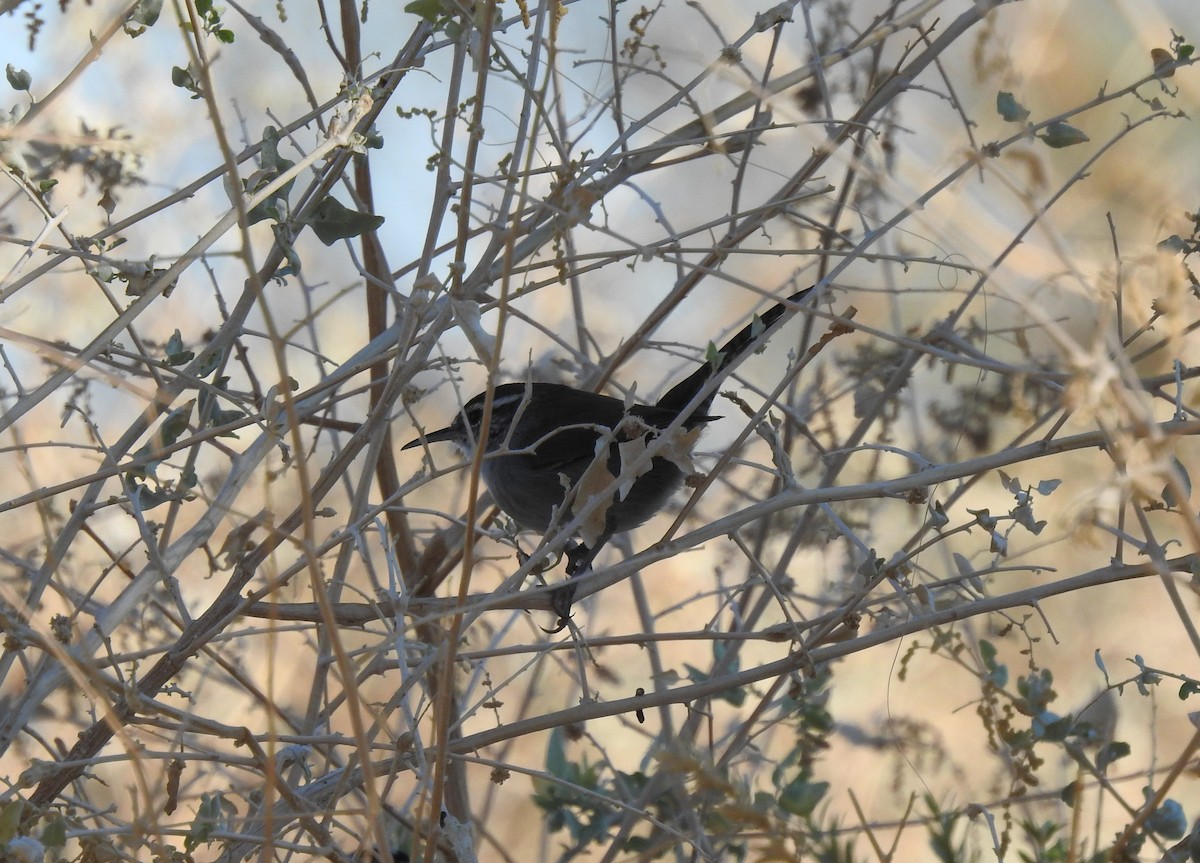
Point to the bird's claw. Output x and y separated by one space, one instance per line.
560 603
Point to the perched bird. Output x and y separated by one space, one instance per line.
544 443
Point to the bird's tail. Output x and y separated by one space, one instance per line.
678 397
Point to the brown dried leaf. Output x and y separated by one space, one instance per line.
595 480
679 449
1164 62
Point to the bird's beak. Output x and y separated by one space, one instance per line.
447 433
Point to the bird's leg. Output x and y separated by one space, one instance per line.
579 557
579 561
560 603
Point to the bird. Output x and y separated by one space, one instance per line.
545 441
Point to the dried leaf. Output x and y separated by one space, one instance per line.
595 480
1164 62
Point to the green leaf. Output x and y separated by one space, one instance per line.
272 166
1067 795
332 221
220 417
268 155
1009 108
208 821
177 354
1114 751
1173 243
54 835
284 237
1047 486
174 425
1168 820
800 797
185 80
556 755
209 363
146 14
997 673
10 819
1048 725
18 79
713 357
756 329
735 695
144 497
983 517
1060 134
430 10
987 652
1185 480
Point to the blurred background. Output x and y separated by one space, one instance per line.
1044 256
